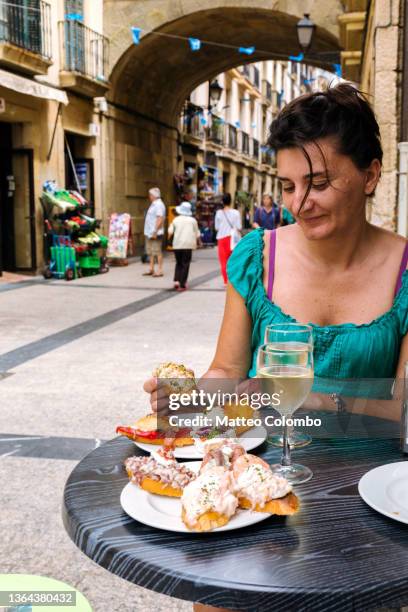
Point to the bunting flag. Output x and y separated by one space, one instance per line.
136 35
237 124
195 44
246 50
74 17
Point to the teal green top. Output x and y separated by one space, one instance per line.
287 217
346 351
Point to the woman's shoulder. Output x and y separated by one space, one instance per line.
389 243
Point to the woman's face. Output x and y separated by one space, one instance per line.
267 201
332 205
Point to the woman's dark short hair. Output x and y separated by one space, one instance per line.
226 199
341 112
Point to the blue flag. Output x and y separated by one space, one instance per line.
247 50
337 69
296 58
136 35
195 44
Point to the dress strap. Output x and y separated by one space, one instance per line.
402 269
271 270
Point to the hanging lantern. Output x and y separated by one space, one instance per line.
305 29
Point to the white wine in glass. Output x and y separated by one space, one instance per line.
286 368
278 333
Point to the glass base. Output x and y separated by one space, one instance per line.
294 474
297 439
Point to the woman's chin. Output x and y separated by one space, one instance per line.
316 229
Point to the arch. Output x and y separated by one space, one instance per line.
156 76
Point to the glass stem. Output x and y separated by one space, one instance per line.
286 460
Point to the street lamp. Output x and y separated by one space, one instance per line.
305 29
215 91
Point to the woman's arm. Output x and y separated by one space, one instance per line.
384 409
233 353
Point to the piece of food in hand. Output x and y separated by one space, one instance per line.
209 502
259 489
175 377
239 411
153 429
160 473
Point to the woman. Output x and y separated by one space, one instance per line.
186 238
226 222
267 215
347 276
328 160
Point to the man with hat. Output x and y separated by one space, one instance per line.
186 236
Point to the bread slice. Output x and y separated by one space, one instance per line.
283 506
160 488
233 411
206 522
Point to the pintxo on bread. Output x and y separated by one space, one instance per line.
160 473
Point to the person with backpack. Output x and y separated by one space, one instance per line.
267 215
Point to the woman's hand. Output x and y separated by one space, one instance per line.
159 396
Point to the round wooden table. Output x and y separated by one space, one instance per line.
335 554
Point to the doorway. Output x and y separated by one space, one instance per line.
17 206
77 158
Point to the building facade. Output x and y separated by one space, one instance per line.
53 64
224 144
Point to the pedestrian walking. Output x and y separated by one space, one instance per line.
267 215
153 231
228 227
186 237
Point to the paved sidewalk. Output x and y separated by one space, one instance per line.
73 357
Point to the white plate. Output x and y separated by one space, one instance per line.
385 488
249 440
165 512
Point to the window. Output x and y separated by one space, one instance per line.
74 36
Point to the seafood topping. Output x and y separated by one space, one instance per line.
170 472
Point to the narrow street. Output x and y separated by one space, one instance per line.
72 363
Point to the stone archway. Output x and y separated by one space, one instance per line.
150 81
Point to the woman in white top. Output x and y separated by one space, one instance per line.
186 237
227 220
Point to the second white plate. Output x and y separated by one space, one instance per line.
249 440
385 489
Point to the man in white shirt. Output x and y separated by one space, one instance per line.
153 231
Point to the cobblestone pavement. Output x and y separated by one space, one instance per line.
73 357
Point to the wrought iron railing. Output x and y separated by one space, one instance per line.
256 79
192 120
83 50
255 149
267 90
27 26
232 137
268 156
216 130
243 143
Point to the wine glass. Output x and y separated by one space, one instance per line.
285 368
273 333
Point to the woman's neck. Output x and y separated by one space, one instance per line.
342 250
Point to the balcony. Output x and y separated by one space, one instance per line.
255 149
216 131
25 36
256 79
192 120
243 143
232 137
84 59
267 90
268 157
